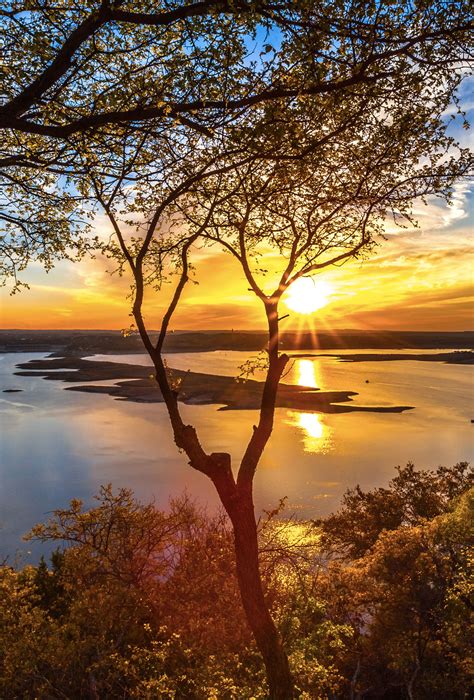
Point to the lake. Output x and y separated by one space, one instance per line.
57 445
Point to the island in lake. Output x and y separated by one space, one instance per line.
135 382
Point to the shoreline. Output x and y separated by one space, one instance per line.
81 343
135 383
456 357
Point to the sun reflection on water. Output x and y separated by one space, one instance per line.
316 434
306 373
311 424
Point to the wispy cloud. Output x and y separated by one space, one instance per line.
417 278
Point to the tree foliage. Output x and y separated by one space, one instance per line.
137 604
412 497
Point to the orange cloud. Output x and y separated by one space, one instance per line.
415 280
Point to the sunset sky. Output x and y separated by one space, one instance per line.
417 279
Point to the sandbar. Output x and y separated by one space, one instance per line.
137 383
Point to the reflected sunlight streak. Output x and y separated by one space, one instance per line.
306 373
311 424
316 434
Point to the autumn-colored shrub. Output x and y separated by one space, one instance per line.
141 603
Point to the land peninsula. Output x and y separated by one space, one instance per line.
135 383
70 362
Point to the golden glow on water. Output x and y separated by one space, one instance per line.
312 425
315 433
306 373
293 534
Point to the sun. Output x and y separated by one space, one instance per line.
306 296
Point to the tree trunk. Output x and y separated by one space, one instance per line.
241 511
280 682
238 501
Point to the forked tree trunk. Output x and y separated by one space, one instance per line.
280 682
238 501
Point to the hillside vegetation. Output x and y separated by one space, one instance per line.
372 602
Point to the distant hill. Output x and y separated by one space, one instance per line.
92 342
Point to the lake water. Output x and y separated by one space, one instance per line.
57 445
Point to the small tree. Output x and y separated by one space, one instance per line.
406 597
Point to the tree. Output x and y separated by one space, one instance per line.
319 203
139 600
407 603
71 68
306 149
412 497
118 609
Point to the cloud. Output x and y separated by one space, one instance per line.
417 278
435 215
457 208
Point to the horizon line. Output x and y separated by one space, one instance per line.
231 330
